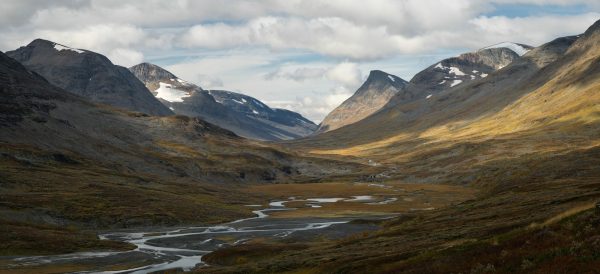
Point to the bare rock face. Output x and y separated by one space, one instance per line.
88 74
375 93
242 114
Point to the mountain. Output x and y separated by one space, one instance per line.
462 69
380 90
282 124
374 93
88 74
468 66
68 164
177 94
452 111
242 114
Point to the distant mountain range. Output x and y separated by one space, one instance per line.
242 114
93 76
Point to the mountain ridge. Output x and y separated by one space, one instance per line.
242 114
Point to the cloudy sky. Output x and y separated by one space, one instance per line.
304 55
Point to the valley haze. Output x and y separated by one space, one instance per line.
300 136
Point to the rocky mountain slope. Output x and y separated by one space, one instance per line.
374 93
526 136
88 74
242 114
99 167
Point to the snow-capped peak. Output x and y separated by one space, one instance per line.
518 49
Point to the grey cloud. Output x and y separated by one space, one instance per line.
344 29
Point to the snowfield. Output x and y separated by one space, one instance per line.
455 82
60 47
518 49
168 93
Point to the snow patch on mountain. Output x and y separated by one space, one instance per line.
169 93
518 49
455 82
456 71
392 78
259 103
452 70
60 47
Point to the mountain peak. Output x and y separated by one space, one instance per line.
378 75
42 43
374 93
148 72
